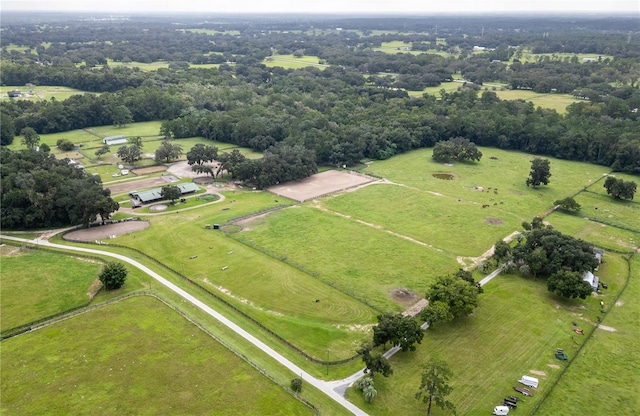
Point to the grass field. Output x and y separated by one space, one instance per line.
255 283
40 93
65 285
356 258
291 62
607 368
80 365
513 332
558 102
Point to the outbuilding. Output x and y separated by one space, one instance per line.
113 140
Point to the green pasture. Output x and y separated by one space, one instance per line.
255 283
213 31
608 210
80 365
40 93
600 235
458 227
559 56
606 371
143 129
558 102
355 258
291 62
13 47
29 294
513 332
502 179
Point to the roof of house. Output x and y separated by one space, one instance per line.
156 193
592 279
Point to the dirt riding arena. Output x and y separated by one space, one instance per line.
103 232
320 184
126 187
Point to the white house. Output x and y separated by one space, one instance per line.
591 279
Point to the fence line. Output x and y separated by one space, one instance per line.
228 304
83 309
589 335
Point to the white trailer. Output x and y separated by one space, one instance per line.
529 381
501 410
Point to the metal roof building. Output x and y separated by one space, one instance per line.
155 194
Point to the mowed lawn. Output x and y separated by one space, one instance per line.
358 259
28 293
278 295
513 332
133 357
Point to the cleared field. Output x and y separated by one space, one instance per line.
558 102
292 62
80 365
513 332
29 294
278 295
470 228
356 258
607 369
40 93
500 174
609 210
601 235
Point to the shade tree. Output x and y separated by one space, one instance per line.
113 275
619 188
434 386
540 172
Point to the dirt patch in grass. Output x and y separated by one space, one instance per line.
538 372
607 328
403 295
150 169
94 288
620 303
158 207
9 251
494 221
203 180
106 231
554 366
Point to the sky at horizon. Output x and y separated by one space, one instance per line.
326 6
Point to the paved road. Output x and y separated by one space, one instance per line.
326 387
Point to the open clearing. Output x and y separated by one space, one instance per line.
65 284
126 187
80 365
106 231
320 184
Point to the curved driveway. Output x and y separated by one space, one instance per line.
325 387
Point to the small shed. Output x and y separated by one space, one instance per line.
113 140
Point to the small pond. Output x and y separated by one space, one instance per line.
444 176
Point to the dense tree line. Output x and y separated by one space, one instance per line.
40 191
356 108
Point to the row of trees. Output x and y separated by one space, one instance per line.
343 123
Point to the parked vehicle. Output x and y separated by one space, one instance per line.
529 381
501 410
524 391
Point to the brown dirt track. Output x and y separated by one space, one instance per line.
105 231
320 184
